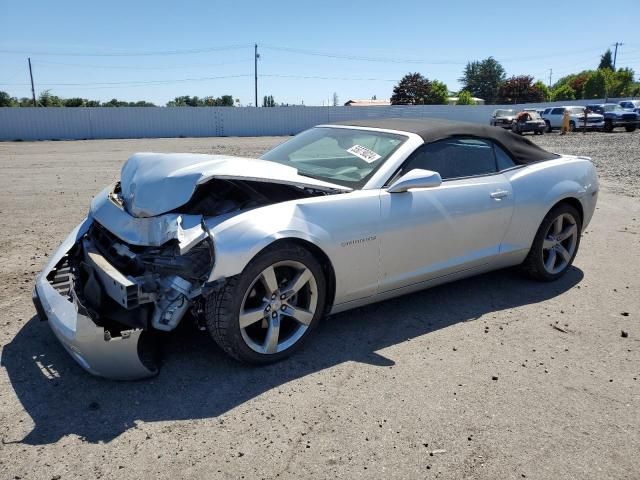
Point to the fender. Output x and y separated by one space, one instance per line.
349 241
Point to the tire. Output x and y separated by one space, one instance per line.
541 132
630 128
548 243
264 307
572 126
548 126
608 126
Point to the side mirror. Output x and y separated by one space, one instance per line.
416 178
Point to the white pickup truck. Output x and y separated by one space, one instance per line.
552 116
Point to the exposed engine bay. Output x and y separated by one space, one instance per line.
218 197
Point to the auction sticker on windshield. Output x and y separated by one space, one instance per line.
364 153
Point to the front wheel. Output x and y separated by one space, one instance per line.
264 314
548 126
555 244
630 128
608 126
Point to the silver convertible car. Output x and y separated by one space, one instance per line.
339 216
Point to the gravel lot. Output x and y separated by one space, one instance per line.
467 380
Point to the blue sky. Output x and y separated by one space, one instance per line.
206 47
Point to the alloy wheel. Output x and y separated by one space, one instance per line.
559 243
278 307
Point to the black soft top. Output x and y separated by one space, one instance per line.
522 150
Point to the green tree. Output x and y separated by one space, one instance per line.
576 81
114 102
621 83
546 92
596 86
606 61
74 102
563 92
520 89
438 94
7 101
465 98
47 100
226 101
483 79
268 101
415 89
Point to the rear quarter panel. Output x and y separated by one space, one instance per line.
538 187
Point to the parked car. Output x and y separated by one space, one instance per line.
553 118
633 105
502 118
528 121
339 216
615 116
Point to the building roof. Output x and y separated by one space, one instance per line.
366 103
522 150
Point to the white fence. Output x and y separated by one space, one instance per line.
150 122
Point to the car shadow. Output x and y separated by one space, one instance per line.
198 380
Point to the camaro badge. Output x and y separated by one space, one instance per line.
359 240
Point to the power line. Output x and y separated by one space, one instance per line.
136 67
415 61
134 83
316 77
126 54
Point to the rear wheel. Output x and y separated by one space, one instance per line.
555 244
572 126
264 314
548 126
630 128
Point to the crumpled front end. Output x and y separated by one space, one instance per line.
105 297
125 356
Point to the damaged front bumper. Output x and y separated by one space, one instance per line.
127 356
124 357
116 279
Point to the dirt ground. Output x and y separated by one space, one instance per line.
467 380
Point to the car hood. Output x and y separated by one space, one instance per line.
156 183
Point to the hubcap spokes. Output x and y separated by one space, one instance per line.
278 307
559 243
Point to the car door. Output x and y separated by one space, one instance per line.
431 232
555 117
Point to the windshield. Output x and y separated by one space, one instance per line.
576 110
612 108
344 156
504 113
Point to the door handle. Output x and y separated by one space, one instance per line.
499 194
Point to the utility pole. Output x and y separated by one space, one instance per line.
255 70
550 74
33 90
615 54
